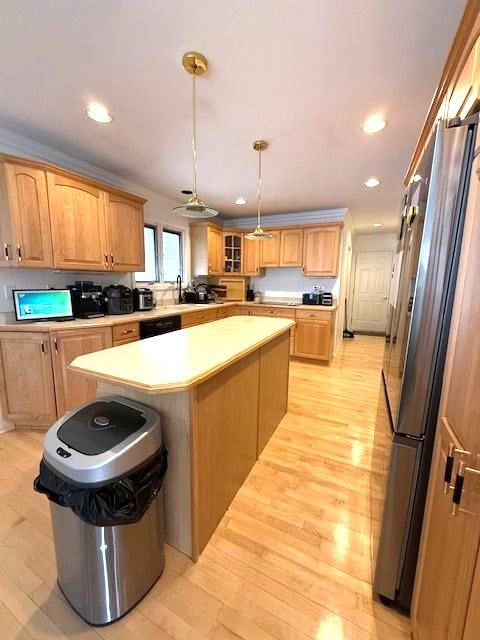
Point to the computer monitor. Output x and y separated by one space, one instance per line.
42 304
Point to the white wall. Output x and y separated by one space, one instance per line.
368 242
157 211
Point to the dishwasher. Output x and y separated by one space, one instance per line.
158 326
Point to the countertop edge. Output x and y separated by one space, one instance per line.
187 384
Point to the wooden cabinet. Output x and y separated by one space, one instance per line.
445 601
291 248
321 251
233 252
251 257
26 374
314 334
72 389
207 249
25 220
125 332
77 211
270 250
198 317
125 233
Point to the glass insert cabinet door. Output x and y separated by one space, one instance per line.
233 250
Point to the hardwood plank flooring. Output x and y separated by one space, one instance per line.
292 558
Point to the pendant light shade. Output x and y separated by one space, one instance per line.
258 233
195 64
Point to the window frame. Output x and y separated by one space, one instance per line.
159 228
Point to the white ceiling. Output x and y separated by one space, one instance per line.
304 74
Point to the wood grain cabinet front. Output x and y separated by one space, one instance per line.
321 251
313 339
291 248
125 233
27 389
72 389
24 217
270 249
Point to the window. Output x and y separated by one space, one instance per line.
151 263
172 254
163 255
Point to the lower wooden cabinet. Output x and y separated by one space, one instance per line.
70 388
26 378
312 339
198 317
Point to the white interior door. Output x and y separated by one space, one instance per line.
370 294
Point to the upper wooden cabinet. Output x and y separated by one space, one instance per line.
52 218
233 252
77 212
321 251
291 248
25 222
125 233
251 257
270 250
207 249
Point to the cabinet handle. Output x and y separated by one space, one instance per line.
463 469
7 253
111 259
42 346
447 476
106 261
19 252
55 345
128 331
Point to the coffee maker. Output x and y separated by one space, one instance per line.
87 299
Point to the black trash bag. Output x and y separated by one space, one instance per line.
123 501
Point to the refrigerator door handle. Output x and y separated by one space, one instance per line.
447 478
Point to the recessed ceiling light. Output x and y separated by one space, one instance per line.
377 224
374 124
417 177
372 182
240 200
98 112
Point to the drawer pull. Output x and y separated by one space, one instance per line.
128 331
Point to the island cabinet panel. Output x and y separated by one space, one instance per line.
77 212
321 251
71 388
224 443
273 388
26 378
125 233
30 244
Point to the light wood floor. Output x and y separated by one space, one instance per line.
292 558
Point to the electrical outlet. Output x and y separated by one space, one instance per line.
7 291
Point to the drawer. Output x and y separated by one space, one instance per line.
224 313
198 317
277 312
126 330
314 314
117 343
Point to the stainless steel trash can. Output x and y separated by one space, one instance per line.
104 571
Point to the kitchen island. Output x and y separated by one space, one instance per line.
221 390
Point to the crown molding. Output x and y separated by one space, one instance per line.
286 219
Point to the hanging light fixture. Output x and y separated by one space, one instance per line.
258 233
196 65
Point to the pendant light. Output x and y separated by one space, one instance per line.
195 64
258 233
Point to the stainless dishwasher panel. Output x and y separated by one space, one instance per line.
402 480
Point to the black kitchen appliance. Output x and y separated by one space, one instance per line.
158 326
250 295
118 299
87 299
326 299
315 297
143 299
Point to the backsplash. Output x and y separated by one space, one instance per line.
19 278
289 283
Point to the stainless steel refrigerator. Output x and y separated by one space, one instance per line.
420 309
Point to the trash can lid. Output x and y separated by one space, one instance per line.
102 440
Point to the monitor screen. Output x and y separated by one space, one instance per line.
42 304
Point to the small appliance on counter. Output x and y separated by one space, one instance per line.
143 299
87 299
250 295
326 299
118 299
318 296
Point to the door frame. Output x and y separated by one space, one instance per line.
353 284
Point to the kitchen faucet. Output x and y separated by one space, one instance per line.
179 288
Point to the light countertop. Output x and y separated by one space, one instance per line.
137 316
180 360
